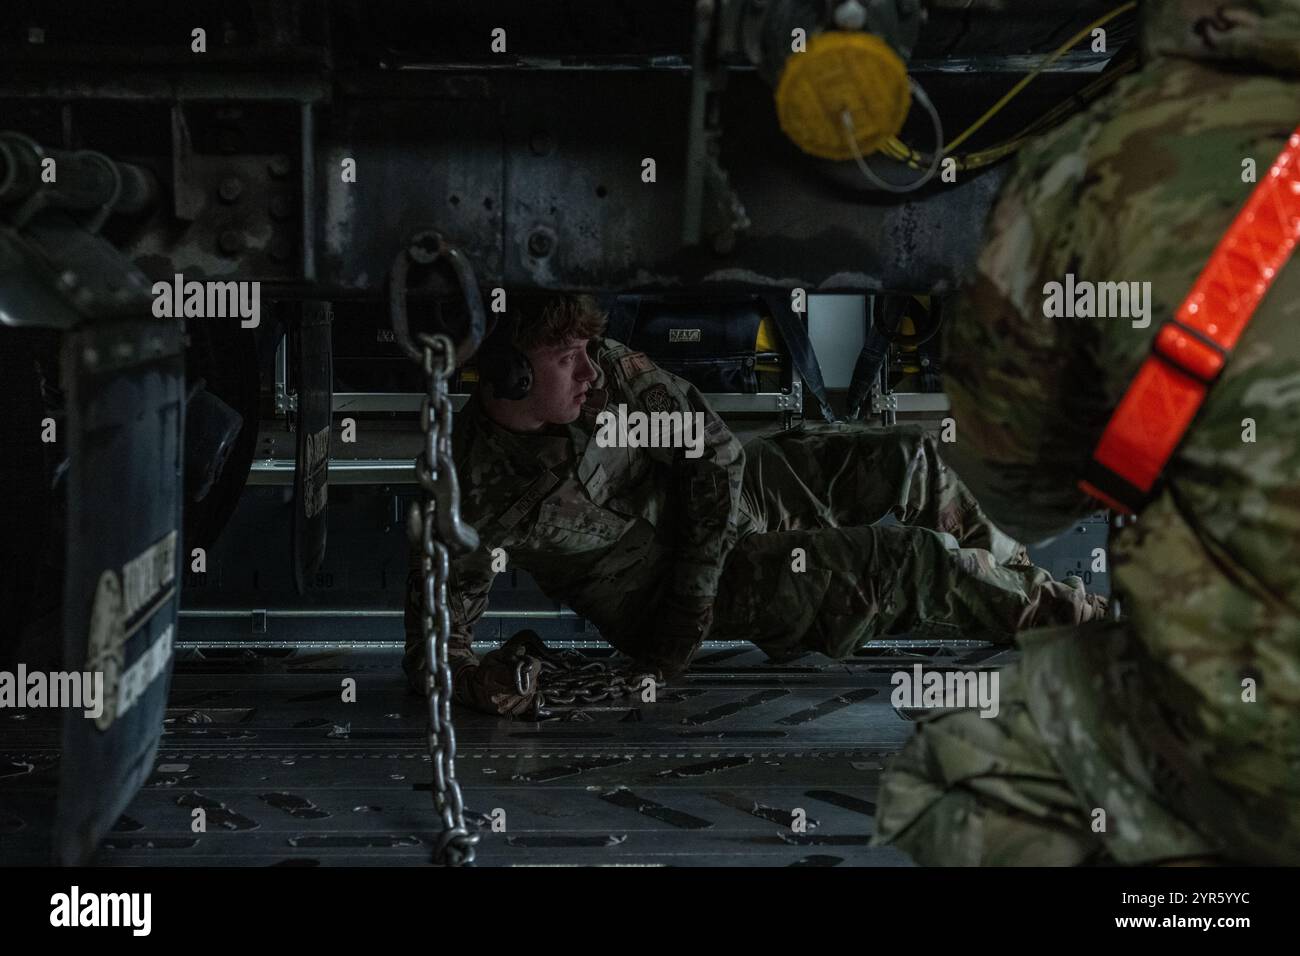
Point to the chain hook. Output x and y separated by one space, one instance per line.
523 679
424 249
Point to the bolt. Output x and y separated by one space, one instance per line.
279 166
280 208
231 189
68 279
231 241
539 245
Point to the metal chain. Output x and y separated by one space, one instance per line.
439 511
571 679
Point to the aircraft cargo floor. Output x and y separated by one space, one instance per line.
713 773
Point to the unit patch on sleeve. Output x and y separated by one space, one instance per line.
634 364
657 398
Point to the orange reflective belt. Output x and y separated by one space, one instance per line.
1191 349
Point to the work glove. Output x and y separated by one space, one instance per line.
503 683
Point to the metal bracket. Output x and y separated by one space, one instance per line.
909 402
883 403
791 401
286 402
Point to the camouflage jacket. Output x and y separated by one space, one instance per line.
608 531
1140 189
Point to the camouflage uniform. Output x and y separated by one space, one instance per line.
613 531
1147 726
893 542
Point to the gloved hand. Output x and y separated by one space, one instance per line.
503 683
674 633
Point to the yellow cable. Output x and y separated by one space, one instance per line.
1015 90
898 150
1052 117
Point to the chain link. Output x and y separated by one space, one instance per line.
589 683
431 521
569 679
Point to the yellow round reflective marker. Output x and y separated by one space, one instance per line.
854 72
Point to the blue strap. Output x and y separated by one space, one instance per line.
886 318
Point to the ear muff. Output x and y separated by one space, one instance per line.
502 365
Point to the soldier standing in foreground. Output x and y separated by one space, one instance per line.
1174 734
773 543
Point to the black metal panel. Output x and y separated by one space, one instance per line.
125 426
528 160
315 377
428 151
577 209
539 179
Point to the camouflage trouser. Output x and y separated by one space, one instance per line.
864 532
845 476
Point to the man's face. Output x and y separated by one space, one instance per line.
562 376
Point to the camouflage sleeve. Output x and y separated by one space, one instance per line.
706 478
708 495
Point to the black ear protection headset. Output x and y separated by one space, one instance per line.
501 364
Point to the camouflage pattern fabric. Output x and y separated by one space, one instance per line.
1183 722
591 524
613 531
892 541
1254 33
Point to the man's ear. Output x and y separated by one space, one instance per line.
600 372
